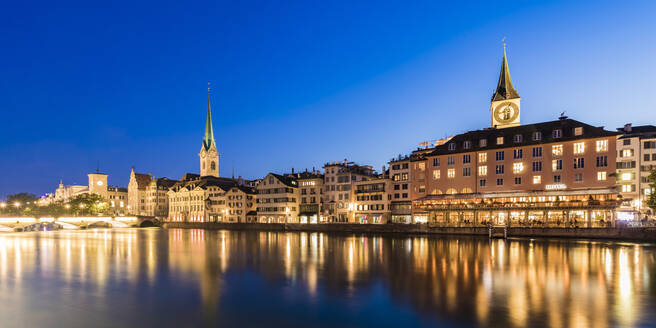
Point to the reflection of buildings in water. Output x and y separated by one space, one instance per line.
473 280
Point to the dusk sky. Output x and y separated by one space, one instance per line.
297 83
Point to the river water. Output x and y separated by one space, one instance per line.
190 278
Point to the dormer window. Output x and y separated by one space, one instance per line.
452 146
557 133
466 144
499 140
537 136
578 131
482 143
517 138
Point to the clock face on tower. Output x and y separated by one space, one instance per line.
506 112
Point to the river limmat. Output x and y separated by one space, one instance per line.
185 277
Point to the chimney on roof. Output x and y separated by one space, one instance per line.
292 170
240 181
628 127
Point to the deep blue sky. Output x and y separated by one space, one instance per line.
296 83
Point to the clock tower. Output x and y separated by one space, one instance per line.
209 155
504 109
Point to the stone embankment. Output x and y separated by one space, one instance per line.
632 234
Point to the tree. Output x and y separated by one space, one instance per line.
651 200
18 204
88 204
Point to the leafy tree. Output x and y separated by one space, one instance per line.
651 201
18 204
88 204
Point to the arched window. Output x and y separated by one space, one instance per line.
436 192
213 166
451 191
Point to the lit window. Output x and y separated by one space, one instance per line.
602 145
557 165
557 150
482 157
601 176
647 192
499 140
579 148
578 131
537 179
482 171
436 174
626 176
421 166
518 168
626 188
451 173
626 153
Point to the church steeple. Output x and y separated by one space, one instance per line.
209 155
208 140
505 89
504 107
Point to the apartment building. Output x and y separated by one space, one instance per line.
372 200
338 182
636 159
278 199
310 186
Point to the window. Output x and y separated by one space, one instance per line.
579 163
627 176
466 144
499 140
482 171
466 159
601 176
499 182
653 157
602 145
646 157
451 160
537 136
537 166
557 165
466 171
397 187
537 151
556 179
436 161
452 146
451 173
578 177
579 148
650 144
557 133
602 161
517 138
557 150
627 142
578 131
436 174
500 155
482 143
628 188
517 153
482 182
626 153
537 179
422 189
518 168
499 169
518 180
482 157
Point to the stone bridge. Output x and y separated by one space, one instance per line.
20 223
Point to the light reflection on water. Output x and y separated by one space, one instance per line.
128 277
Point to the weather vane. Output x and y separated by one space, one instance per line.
208 87
503 40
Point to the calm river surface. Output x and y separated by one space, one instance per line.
189 278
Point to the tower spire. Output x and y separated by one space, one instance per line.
208 140
505 89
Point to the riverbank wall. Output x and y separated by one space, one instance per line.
625 233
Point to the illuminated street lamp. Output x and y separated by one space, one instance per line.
67 206
17 204
3 205
81 205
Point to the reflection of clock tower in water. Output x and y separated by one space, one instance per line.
505 100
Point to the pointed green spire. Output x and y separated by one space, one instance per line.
505 89
208 140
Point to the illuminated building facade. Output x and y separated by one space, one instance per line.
372 200
551 173
636 159
400 190
310 186
339 178
277 199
